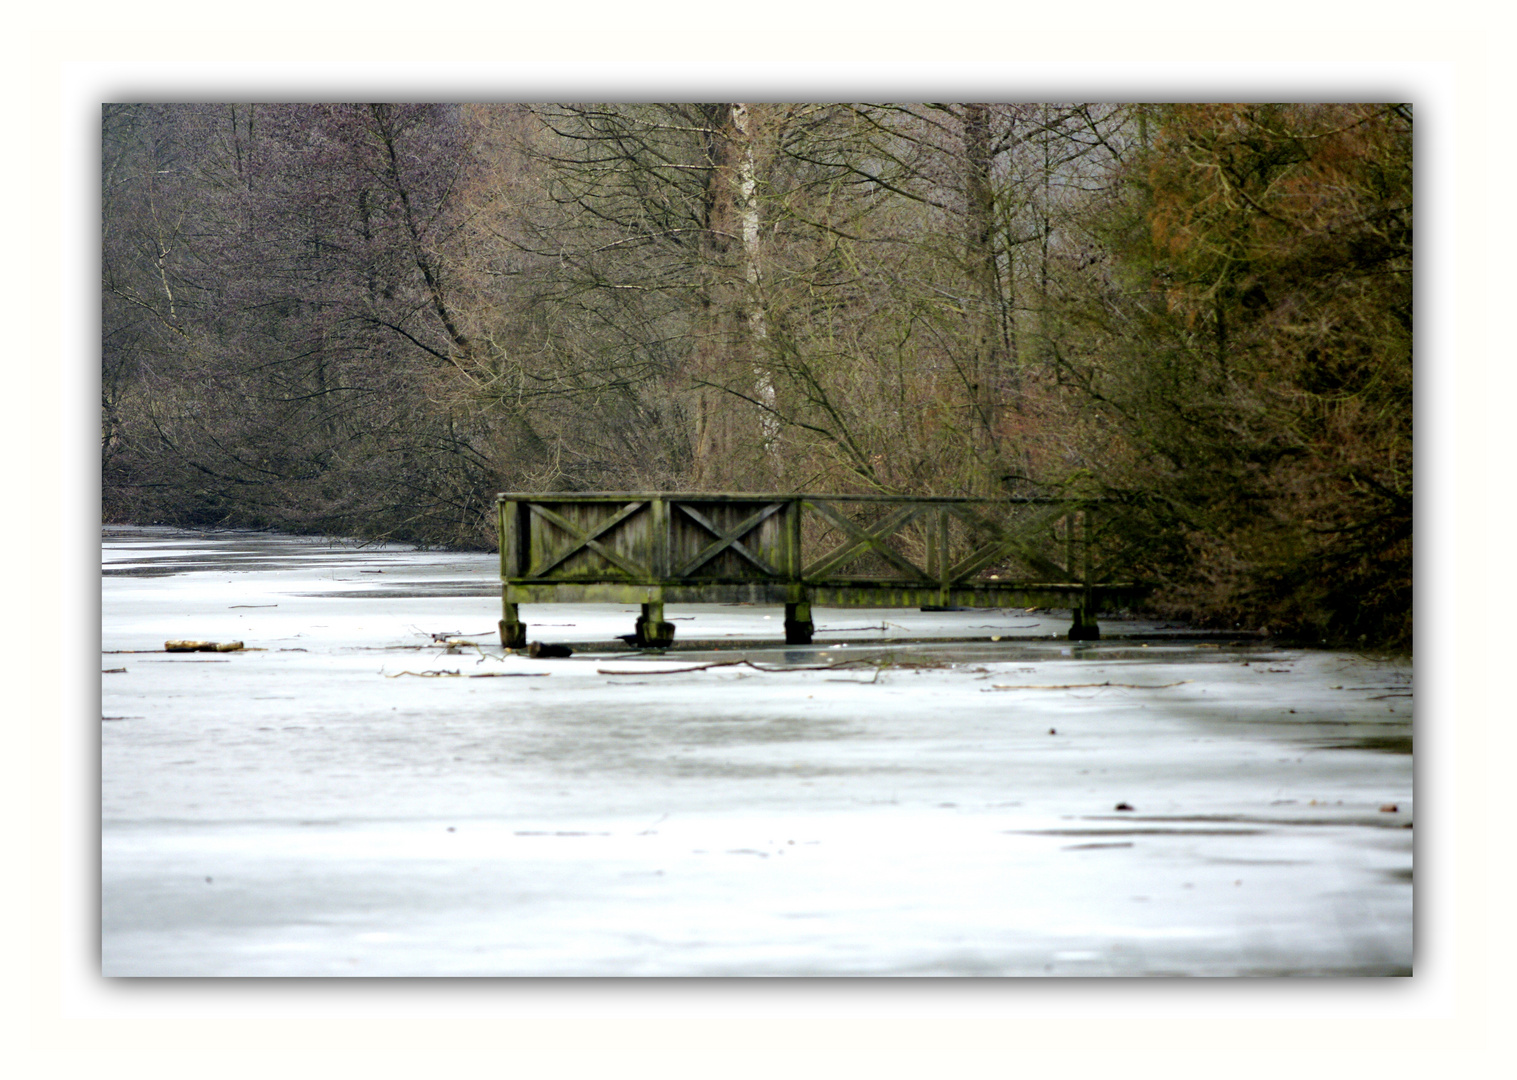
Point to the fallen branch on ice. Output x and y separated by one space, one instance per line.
228 647
1086 686
737 663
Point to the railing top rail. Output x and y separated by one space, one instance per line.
735 496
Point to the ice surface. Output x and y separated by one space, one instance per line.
349 801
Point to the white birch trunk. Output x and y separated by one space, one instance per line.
748 217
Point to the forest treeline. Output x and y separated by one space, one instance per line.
366 319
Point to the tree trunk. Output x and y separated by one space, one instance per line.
731 435
986 373
748 209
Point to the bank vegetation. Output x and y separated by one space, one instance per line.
366 319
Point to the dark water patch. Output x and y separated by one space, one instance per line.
231 562
192 566
1348 817
1088 847
1384 744
743 731
1370 971
1134 832
412 592
231 552
727 770
929 652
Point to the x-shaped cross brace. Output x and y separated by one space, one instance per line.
1004 545
588 541
728 539
865 540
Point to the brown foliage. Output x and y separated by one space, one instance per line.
1265 371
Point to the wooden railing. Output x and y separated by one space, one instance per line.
653 548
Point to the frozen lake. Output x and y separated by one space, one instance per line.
906 796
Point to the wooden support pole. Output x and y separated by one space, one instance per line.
932 561
938 533
798 624
1071 547
795 561
660 528
510 540
513 632
652 632
1084 627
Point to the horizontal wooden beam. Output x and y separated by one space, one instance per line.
872 594
768 497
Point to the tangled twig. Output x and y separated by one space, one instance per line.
1086 685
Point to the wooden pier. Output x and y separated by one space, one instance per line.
657 548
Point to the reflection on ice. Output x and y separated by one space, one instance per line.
910 799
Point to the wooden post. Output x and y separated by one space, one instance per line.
651 631
945 563
513 632
798 624
1069 546
660 539
507 568
794 561
1084 627
1084 521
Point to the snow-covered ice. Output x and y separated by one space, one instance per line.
904 797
